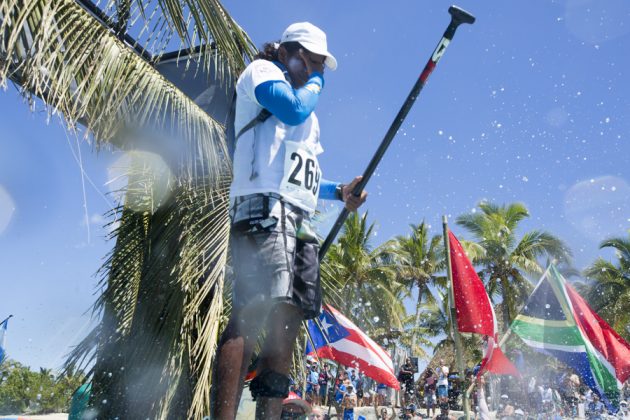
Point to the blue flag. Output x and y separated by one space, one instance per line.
3 330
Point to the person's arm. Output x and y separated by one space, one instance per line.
328 191
291 106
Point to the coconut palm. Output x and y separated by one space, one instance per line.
367 289
418 258
609 294
436 323
161 302
507 259
416 337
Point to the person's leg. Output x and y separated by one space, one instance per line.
234 353
309 392
322 394
277 354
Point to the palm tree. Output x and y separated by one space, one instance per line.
360 281
609 294
506 259
415 336
418 258
436 323
161 302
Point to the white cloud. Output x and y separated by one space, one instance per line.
599 207
7 208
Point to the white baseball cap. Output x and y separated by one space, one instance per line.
312 38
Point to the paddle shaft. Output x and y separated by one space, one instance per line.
458 16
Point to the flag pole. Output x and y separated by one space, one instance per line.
310 339
453 314
306 339
327 402
333 384
316 321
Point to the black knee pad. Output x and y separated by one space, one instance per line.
269 384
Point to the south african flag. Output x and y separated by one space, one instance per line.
557 321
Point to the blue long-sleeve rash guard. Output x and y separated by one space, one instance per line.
292 107
327 189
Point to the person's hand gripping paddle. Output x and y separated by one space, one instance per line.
458 16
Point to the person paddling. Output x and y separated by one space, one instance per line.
277 182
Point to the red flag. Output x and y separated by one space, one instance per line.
603 338
495 361
474 310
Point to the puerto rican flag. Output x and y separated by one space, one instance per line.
336 338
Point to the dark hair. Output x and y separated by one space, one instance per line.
269 50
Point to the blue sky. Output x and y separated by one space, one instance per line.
529 104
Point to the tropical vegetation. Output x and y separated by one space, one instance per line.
608 290
25 391
163 299
161 302
367 289
507 260
438 327
419 258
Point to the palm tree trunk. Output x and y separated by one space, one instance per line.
417 322
506 306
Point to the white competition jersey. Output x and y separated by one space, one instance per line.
282 156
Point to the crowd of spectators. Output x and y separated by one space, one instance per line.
438 391
554 396
558 396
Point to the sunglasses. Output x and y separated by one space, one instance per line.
288 415
312 59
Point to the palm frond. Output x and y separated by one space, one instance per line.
474 251
514 213
608 288
620 244
528 265
603 271
537 243
192 21
474 223
162 305
56 50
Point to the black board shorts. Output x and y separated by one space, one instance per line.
274 256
